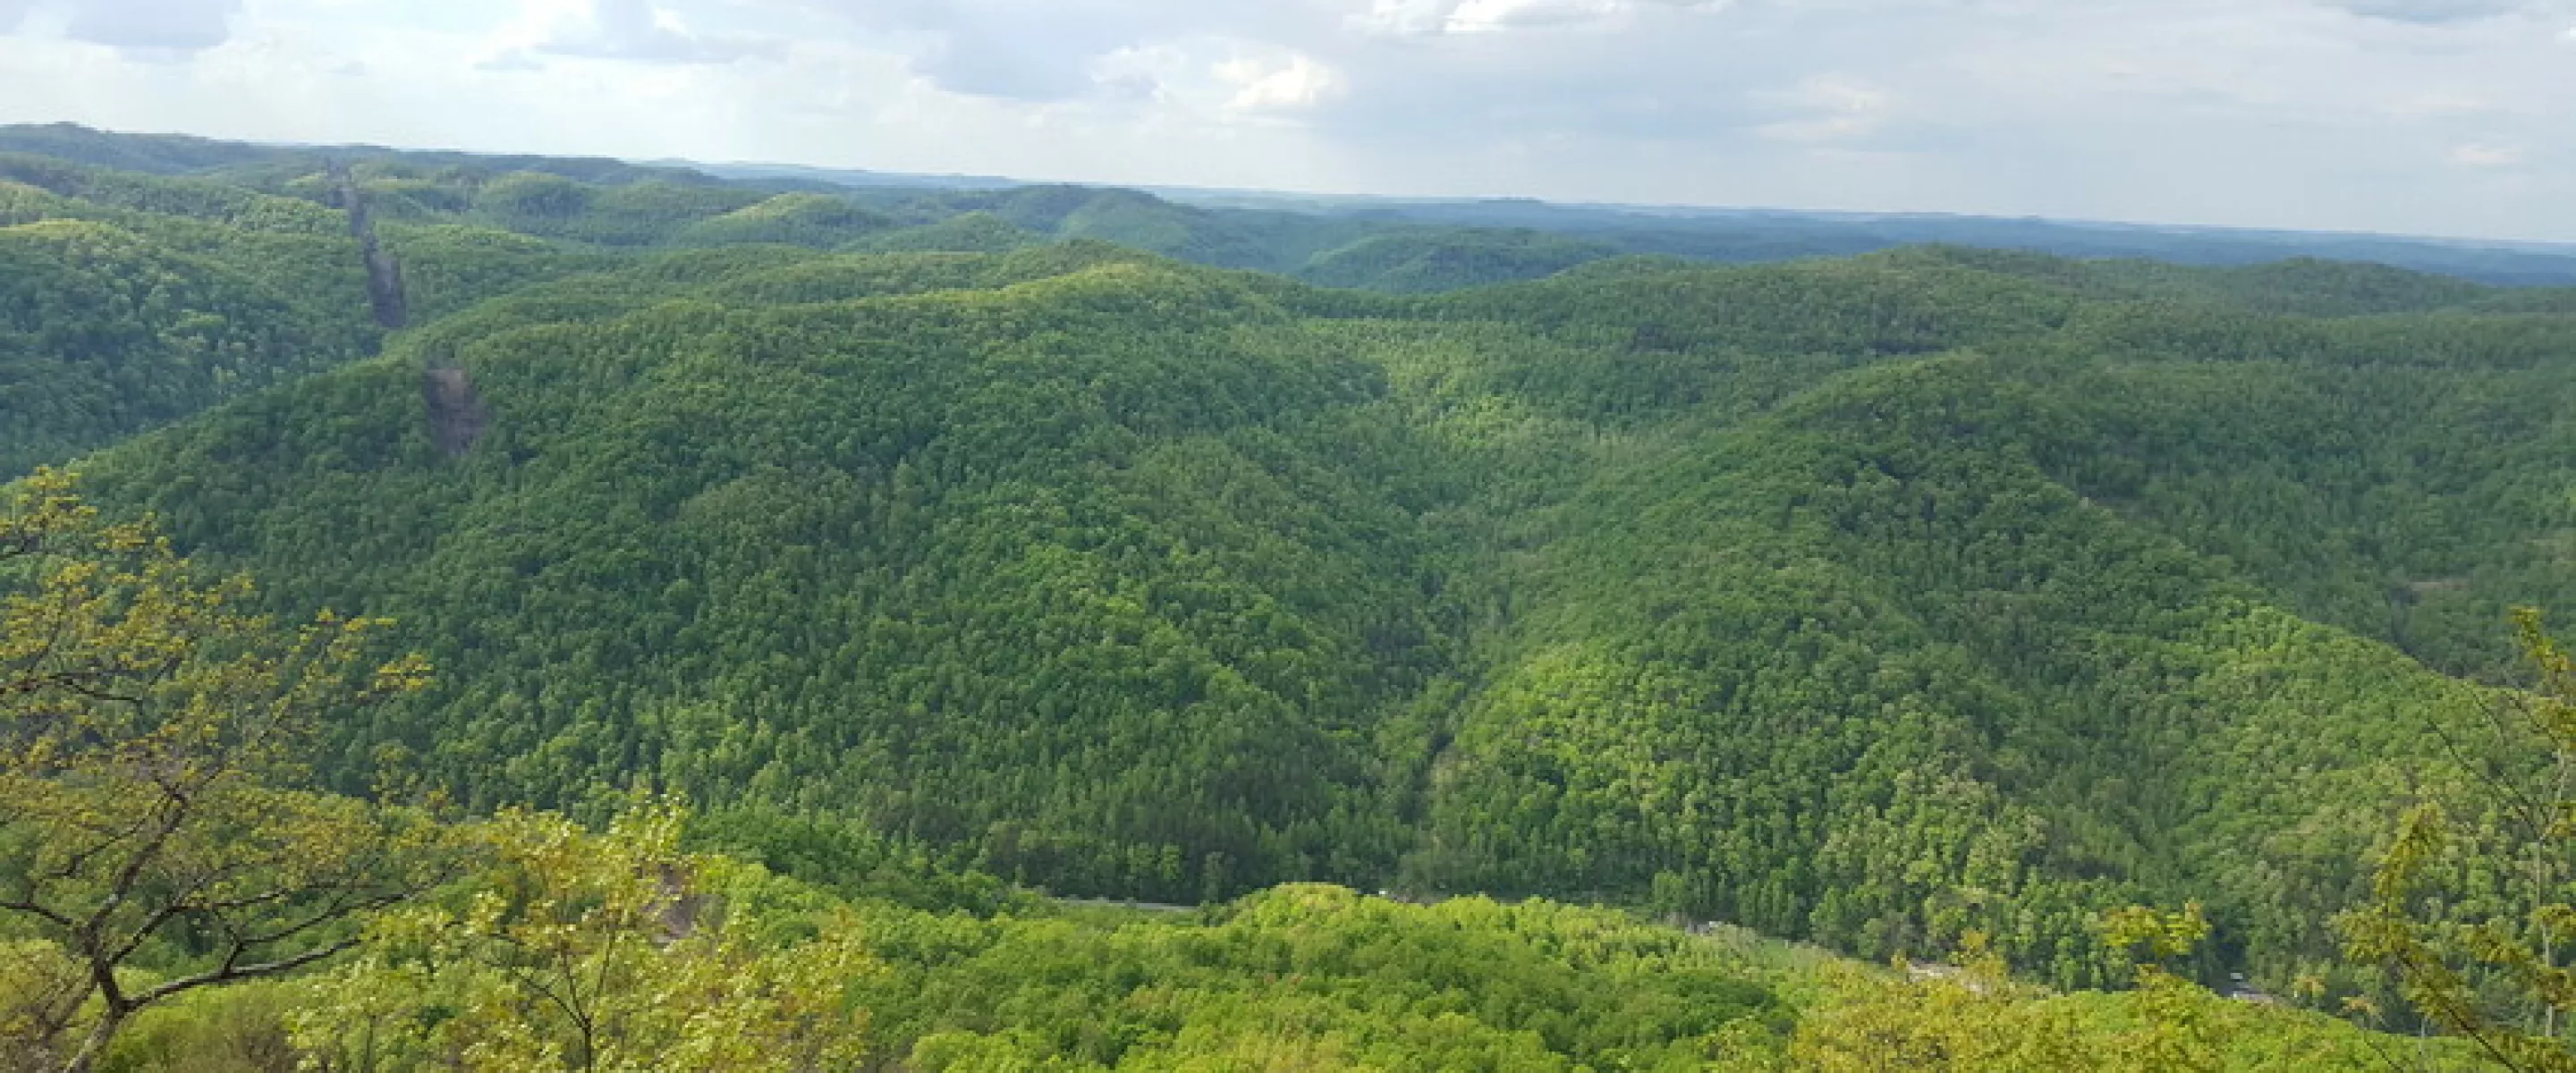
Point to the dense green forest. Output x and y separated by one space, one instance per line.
945 546
177 898
126 303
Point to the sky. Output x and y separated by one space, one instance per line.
2442 117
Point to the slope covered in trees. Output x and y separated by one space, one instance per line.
1875 602
259 925
126 303
1906 603
1752 235
1437 260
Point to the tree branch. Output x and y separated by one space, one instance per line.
229 972
31 908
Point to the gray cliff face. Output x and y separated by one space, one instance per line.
384 273
457 416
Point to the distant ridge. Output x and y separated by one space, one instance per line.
1283 232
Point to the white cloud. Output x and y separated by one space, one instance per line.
509 61
1044 50
2486 155
633 30
1213 80
1402 17
1491 16
1295 82
2430 12
145 29
1835 108
1405 18
2438 105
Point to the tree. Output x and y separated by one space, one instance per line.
1969 1017
2178 1033
150 814
2489 968
600 953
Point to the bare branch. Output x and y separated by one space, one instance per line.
32 908
229 972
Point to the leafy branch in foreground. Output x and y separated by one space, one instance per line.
1973 1016
149 809
594 952
2488 965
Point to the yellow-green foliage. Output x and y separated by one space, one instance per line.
607 953
1976 1022
151 809
1300 978
2470 910
1318 975
1975 1018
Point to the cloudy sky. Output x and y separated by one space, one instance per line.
2424 116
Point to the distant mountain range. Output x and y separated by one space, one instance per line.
1752 234
1698 233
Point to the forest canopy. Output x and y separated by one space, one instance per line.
951 552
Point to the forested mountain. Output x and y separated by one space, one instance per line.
1750 235
253 164
1356 242
1724 590
1754 235
1915 604
523 941
127 303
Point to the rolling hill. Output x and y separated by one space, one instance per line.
1877 601
1847 600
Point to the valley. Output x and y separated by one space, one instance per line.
943 548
